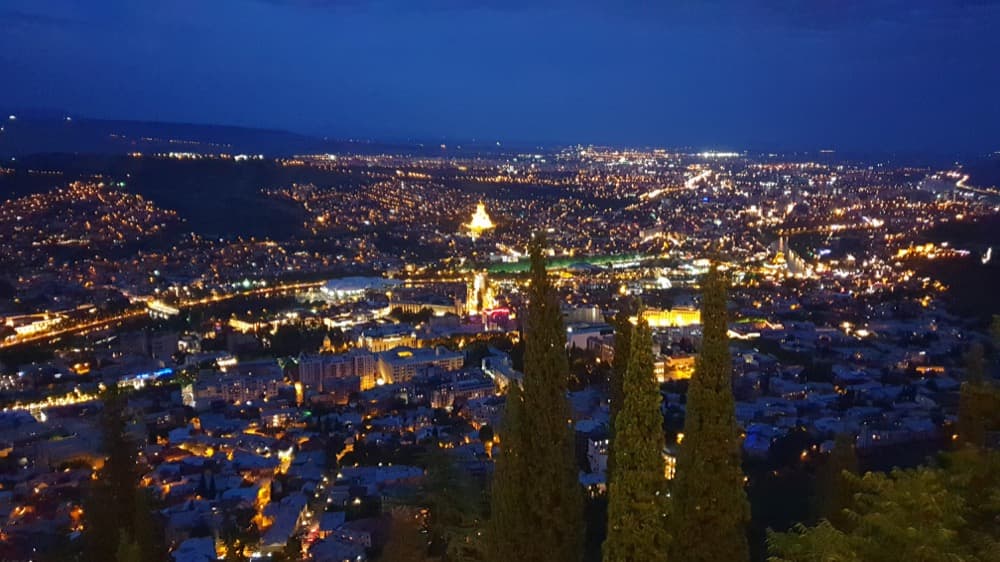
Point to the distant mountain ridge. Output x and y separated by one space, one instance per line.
50 131
44 132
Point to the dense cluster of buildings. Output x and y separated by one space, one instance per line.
290 416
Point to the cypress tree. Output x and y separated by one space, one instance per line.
995 331
406 542
636 495
978 401
709 506
555 514
835 493
508 536
975 364
623 350
455 505
128 549
118 512
110 505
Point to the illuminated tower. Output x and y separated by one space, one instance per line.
480 221
480 295
327 345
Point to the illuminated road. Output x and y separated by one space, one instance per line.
689 183
961 185
132 314
37 408
828 228
693 181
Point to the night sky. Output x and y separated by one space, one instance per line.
849 74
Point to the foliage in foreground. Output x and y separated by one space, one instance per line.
946 513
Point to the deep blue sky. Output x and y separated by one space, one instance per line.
847 74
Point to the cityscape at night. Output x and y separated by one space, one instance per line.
346 281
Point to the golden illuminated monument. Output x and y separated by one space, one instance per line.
327 345
479 295
679 317
480 222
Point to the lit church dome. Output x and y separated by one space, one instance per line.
480 221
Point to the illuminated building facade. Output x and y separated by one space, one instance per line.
437 304
480 222
401 364
321 372
678 317
388 336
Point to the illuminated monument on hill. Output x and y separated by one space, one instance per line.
480 222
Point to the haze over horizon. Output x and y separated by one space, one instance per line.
884 75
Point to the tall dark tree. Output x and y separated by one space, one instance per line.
555 512
834 491
623 351
995 332
118 513
406 541
109 506
637 529
146 528
709 511
557 506
975 364
507 536
978 400
128 549
616 394
456 506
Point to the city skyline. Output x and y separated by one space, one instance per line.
551 281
